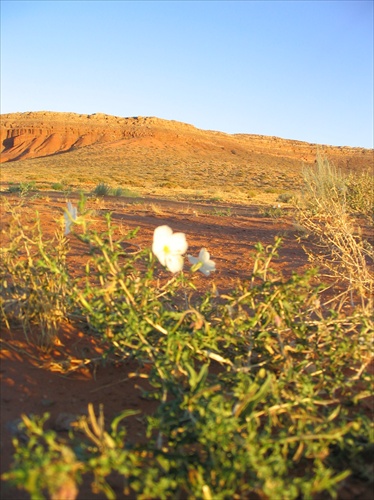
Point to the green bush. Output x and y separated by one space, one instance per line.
102 189
258 390
23 188
105 190
58 186
34 280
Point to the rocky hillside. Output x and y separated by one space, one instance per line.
41 134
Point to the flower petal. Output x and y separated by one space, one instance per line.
161 236
174 262
74 213
72 210
211 265
204 256
161 255
67 224
193 260
178 243
205 271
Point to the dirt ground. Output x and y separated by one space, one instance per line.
34 382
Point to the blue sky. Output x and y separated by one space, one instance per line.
299 69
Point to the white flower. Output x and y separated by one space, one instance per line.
169 248
70 216
206 265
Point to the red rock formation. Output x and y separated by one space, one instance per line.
37 134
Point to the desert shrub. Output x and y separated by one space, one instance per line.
14 188
323 183
285 197
330 212
105 190
57 186
34 281
251 193
258 390
102 189
129 193
275 211
22 188
116 191
360 194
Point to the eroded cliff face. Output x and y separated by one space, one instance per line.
38 134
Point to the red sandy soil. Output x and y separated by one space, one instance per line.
33 382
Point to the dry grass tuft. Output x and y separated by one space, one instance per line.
335 217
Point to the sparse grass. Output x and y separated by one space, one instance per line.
156 209
222 211
274 211
216 198
168 172
360 194
252 193
270 190
129 193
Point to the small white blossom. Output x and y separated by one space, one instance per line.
206 266
169 248
70 216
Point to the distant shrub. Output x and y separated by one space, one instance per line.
251 194
105 190
102 189
14 188
22 188
57 186
129 193
274 212
285 197
116 191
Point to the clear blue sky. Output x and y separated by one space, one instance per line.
294 69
